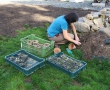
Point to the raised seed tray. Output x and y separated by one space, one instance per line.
26 62
66 64
36 45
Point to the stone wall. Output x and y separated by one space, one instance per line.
95 22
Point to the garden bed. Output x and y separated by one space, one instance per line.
14 17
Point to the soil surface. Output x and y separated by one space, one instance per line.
93 45
14 16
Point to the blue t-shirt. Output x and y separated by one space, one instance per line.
57 26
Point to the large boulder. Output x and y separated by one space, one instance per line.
82 27
98 22
94 28
89 16
87 21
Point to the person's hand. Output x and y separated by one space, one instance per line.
77 43
77 38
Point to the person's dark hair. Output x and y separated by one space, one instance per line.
71 17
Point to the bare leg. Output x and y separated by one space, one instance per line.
60 39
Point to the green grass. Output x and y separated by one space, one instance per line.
96 76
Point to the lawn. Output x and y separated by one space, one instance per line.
96 76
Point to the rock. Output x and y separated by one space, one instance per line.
107 15
98 22
98 4
89 16
108 12
105 30
82 27
109 20
96 14
107 8
81 19
87 21
107 25
103 11
95 28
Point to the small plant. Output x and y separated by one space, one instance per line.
26 26
47 25
2 38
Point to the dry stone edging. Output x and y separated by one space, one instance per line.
96 21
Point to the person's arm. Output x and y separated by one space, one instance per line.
65 33
75 33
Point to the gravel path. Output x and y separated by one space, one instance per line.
84 5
